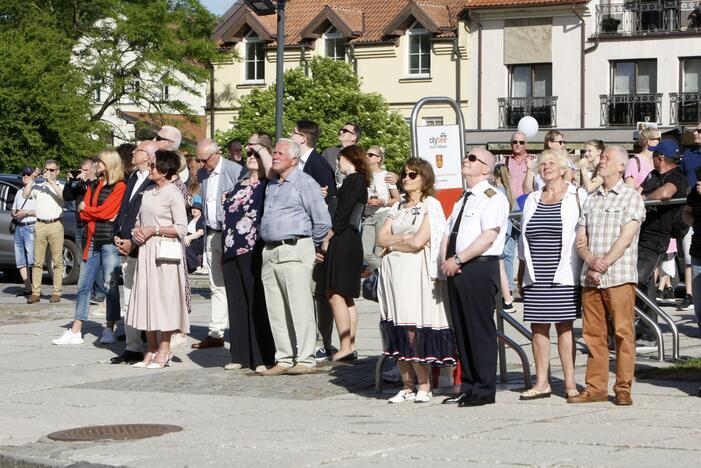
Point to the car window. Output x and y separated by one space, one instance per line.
7 196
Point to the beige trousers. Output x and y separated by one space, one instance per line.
220 309
50 235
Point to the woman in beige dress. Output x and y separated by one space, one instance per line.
158 302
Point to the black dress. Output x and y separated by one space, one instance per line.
344 260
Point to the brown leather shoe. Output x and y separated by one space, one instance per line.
301 369
33 299
586 397
277 370
55 298
209 342
623 399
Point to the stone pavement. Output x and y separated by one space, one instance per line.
235 418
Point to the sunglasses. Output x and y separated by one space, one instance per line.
151 165
654 138
473 158
345 130
160 138
410 175
518 142
698 130
50 170
561 142
207 158
250 152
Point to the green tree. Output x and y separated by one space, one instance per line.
331 97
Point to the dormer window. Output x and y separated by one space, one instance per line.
419 51
253 58
334 44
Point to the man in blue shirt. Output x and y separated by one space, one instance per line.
691 160
295 220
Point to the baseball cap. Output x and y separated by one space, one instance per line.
197 205
667 148
27 171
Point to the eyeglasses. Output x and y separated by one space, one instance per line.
698 130
373 154
151 165
250 152
160 138
654 138
295 132
207 158
560 142
410 175
345 130
518 142
50 170
473 158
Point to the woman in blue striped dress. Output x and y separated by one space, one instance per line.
549 269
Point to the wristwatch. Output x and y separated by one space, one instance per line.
457 260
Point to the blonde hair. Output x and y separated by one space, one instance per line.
645 135
114 169
501 179
558 155
380 151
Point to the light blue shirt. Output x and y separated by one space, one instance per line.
294 207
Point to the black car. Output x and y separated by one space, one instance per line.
9 185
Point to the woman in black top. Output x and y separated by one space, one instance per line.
343 248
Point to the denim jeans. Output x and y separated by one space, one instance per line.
512 237
106 258
98 290
24 246
696 288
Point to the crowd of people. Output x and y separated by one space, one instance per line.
286 234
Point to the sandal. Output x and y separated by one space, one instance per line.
534 394
571 392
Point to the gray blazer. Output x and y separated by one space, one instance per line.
230 173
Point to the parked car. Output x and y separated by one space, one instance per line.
9 185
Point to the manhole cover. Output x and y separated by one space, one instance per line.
113 432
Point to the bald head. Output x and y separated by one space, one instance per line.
208 153
148 146
168 138
485 156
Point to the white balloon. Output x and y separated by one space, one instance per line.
528 126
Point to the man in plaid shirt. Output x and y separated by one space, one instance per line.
607 241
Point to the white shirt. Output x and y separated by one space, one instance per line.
212 189
379 189
570 265
30 205
49 205
140 177
487 208
303 159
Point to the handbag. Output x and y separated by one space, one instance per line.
171 252
370 286
13 222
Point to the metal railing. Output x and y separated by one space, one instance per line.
512 109
627 109
647 17
684 108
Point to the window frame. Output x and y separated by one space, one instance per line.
417 30
332 34
636 62
253 39
510 71
682 74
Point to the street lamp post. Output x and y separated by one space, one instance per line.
263 8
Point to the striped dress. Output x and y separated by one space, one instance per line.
544 301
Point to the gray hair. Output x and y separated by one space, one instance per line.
51 161
558 155
293 148
620 152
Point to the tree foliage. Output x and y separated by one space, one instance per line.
330 96
55 55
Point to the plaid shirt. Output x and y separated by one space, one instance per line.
603 215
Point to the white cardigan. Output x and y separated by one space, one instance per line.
570 265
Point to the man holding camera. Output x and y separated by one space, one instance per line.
49 230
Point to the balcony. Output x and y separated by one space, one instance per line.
543 109
627 109
685 108
648 17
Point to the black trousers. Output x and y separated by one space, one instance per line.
649 256
472 302
251 342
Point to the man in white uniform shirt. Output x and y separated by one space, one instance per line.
49 229
217 176
475 240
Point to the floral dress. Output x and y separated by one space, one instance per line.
243 208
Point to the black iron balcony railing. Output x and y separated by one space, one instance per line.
644 17
543 109
627 109
684 108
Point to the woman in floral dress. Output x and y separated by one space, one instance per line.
251 342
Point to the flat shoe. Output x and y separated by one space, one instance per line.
352 356
534 394
571 393
423 397
402 396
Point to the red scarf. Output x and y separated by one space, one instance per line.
105 212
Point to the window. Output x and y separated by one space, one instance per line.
419 50
334 44
254 58
691 75
165 93
7 196
687 104
634 77
531 80
433 121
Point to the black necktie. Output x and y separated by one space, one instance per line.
452 240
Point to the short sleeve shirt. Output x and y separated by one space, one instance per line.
639 172
603 216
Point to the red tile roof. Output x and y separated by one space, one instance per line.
508 3
191 131
369 17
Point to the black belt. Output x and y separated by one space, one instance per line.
291 241
209 229
483 258
48 221
28 223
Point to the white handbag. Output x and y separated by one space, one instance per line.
169 251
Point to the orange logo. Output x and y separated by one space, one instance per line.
439 161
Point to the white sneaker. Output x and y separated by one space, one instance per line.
108 337
423 397
69 338
233 366
402 396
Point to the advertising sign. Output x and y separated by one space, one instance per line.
440 145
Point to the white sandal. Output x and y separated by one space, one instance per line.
402 396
